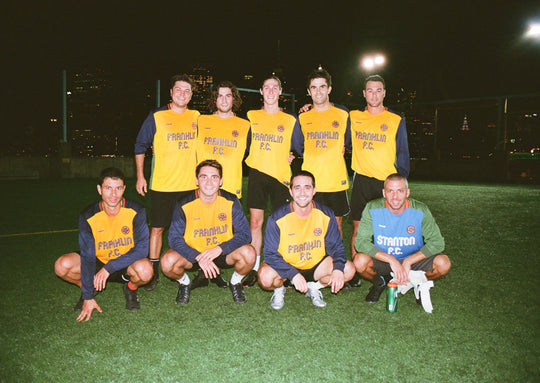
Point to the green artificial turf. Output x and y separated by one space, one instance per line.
484 327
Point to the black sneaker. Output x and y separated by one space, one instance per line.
182 298
356 281
80 302
238 293
155 278
379 284
132 300
250 279
199 280
219 282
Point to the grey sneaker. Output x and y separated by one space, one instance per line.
316 297
278 298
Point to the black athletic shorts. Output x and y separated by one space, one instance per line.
262 187
364 190
337 201
308 274
162 206
220 261
118 276
384 268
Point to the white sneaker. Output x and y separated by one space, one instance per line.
278 298
316 297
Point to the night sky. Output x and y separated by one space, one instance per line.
441 49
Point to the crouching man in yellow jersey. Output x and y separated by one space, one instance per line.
113 240
208 231
302 243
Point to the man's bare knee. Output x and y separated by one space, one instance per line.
143 270
441 264
64 264
362 262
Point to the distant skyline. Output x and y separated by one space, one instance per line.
442 50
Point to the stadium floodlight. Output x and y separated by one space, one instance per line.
533 31
373 61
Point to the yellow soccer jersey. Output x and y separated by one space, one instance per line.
324 142
173 136
209 225
379 144
117 241
271 135
224 140
292 243
197 226
113 236
302 244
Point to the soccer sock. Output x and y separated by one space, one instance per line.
315 285
184 280
131 287
155 264
378 280
257 263
236 278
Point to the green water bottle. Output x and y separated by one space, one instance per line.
391 297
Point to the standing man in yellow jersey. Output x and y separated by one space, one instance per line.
223 136
379 148
324 128
171 131
302 243
273 135
209 231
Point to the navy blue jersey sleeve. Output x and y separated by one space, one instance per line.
348 139
271 254
402 149
248 142
140 241
241 229
88 257
176 235
333 241
297 138
145 138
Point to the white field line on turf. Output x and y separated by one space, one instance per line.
37 232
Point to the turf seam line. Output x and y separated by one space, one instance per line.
37 232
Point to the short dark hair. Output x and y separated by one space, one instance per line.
319 73
302 173
212 163
181 77
396 177
111 172
212 97
374 77
271 77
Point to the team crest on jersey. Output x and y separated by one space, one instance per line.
335 124
125 230
384 127
222 217
411 229
235 133
280 128
317 232
194 125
